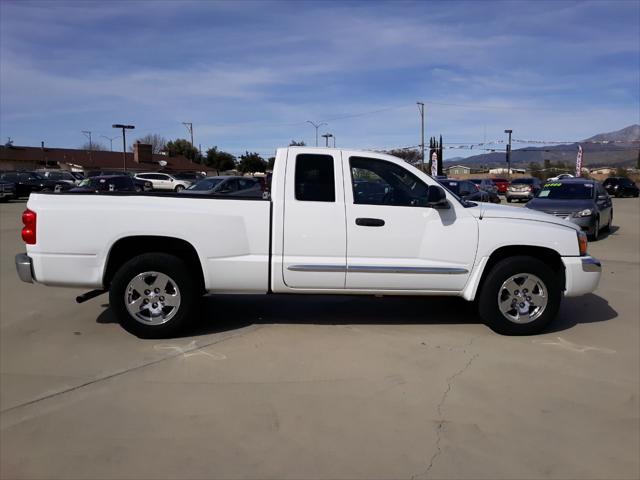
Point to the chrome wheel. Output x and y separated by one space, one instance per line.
522 298
152 298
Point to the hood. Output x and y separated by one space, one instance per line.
551 205
492 210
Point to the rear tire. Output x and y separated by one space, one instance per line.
508 200
153 295
536 303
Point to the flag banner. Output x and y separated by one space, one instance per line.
579 161
434 164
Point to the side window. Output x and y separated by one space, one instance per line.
378 182
315 181
246 183
466 188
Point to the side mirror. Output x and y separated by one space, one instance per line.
436 198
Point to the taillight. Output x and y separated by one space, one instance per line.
29 229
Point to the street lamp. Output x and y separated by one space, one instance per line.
111 139
509 152
327 136
317 126
124 142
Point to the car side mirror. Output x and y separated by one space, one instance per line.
436 198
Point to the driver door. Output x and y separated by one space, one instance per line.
395 242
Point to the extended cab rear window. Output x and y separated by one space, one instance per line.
315 181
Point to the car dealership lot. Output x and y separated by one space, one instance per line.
322 387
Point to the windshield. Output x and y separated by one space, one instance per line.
205 184
527 181
567 191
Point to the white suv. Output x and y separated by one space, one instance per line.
164 181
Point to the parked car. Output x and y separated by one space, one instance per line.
59 176
467 190
141 185
621 187
164 181
485 184
157 256
107 183
27 182
227 185
523 189
501 184
7 190
583 202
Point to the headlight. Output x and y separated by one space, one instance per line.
584 213
582 243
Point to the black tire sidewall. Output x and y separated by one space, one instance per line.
501 271
158 262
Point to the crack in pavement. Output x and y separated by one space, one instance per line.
179 352
441 421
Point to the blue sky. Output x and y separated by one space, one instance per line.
249 74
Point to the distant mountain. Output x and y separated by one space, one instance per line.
616 154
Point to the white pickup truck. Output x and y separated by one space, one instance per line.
336 222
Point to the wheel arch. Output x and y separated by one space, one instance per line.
547 255
126 248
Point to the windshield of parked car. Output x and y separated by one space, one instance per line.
567 191
527 181
206 184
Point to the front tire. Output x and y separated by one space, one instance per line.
153 295
595 236
179 188
519 296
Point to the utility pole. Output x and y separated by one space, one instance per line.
509 153
189 126
327 136
317 126
421 110
87 134
124 142
111 139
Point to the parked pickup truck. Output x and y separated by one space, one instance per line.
336 222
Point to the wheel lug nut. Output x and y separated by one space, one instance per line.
528 299
147 292
154 305
524 290
516 292
157 290
145 301
162 299
522 305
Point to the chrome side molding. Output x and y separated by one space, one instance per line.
379 269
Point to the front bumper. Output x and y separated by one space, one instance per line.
582 275
586 224
526 194
24 267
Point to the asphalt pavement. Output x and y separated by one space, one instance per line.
322 387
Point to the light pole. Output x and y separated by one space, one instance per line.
327 136
124 142
87 133
421 110
317 126
111 139
509 152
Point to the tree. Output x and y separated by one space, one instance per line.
219 160
95 146
183 147
411 155
271 162
297 144
534 168
252 162
157 142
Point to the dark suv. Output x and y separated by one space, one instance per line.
621 187
27 182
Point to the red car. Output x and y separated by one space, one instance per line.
501 184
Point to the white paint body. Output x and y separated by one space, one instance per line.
232 238
162 181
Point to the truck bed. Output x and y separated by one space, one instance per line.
76 232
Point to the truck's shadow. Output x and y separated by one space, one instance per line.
230 312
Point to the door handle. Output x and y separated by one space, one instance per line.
370 222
